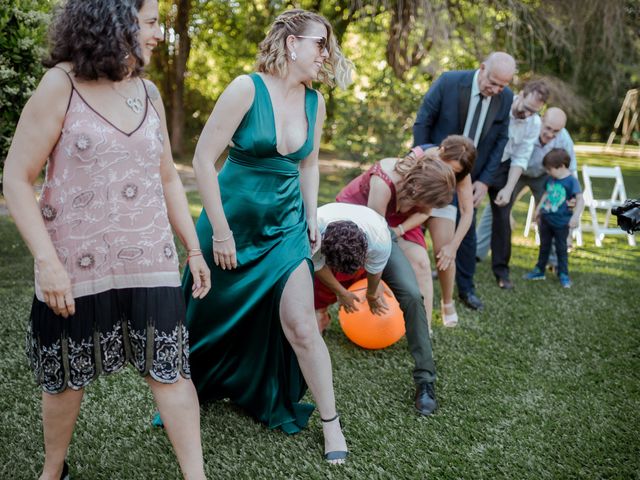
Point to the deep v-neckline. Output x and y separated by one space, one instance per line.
128 134
273 120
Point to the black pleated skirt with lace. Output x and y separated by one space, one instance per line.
141 326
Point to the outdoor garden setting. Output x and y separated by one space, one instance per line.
543 383
524 392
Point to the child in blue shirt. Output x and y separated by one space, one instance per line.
555 217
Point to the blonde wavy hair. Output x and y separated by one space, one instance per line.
424 180
272 52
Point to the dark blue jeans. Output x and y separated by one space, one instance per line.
466 259
558 235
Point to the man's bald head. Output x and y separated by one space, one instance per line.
501 62
496 72
556 116
553 121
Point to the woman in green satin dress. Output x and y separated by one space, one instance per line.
254 337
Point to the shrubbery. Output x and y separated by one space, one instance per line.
23 26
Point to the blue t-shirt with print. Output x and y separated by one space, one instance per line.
555 209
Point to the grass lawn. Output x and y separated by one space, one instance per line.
545 383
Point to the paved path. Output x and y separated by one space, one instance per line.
630 150
329 163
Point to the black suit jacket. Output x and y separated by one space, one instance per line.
444 112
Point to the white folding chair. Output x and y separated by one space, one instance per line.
530 220
618 197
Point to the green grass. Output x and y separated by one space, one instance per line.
545 383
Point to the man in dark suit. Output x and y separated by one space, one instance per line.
474 103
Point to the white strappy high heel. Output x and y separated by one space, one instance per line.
448 319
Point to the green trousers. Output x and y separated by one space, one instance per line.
399 276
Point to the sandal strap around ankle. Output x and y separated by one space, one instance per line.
336 455
449 319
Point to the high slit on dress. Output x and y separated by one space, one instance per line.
238 348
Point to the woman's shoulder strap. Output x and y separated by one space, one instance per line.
379 172
257 80
67 73
58 81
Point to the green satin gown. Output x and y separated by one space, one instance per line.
238 348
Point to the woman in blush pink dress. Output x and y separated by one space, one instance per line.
107 282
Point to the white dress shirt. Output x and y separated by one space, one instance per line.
473 101
523 133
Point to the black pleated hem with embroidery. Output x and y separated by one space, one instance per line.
141 326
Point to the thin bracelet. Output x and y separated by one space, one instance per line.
401 229
191 255
222 239
195 250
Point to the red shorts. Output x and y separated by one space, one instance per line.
323 296
416 235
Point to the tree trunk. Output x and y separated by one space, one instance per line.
340 25
403 52
182 47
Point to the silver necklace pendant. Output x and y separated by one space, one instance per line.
134 104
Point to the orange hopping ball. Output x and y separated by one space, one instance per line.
368 330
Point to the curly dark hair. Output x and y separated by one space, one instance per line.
97 37
344 247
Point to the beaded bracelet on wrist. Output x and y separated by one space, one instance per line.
220 240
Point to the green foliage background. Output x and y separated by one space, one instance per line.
590 59
23 28
589 51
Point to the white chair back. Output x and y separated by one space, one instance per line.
617 197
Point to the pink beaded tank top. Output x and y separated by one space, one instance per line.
103 203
